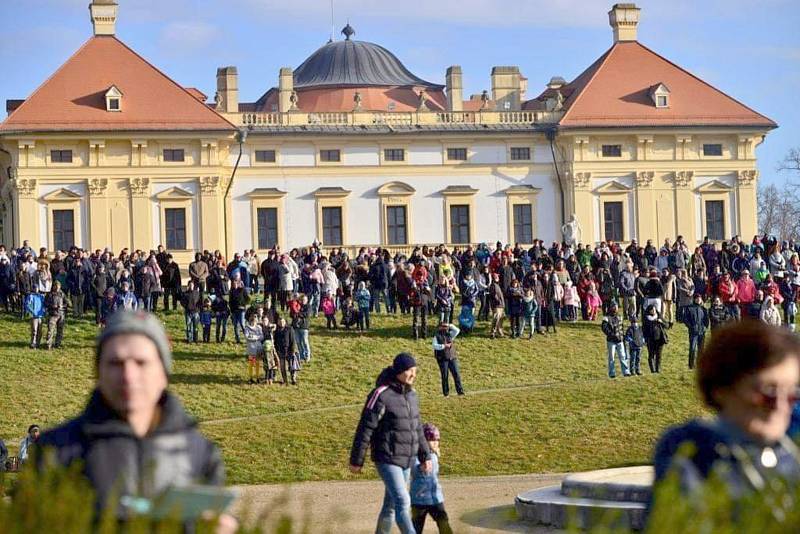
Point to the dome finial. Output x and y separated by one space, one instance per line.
348 31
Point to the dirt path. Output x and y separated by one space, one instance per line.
475 505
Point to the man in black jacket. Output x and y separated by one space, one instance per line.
171 283
131 421
390 426
695 317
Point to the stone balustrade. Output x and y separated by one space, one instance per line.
402 118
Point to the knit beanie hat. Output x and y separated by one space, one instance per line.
403 362
137 322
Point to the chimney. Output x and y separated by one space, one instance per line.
104 16
624 18
455 87
556 82
227 90
506 88
285 89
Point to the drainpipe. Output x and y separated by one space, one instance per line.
551 136
9 172
241 137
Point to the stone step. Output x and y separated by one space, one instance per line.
548 506
584 499
621 484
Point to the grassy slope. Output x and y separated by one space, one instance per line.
572 418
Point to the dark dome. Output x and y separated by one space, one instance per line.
355 63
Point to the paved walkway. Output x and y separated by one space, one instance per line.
475 504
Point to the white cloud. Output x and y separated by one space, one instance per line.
188 37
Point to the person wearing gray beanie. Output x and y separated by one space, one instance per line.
137 322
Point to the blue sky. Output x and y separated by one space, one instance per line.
751 50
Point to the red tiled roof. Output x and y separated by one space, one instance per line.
73 98
197 93
614 91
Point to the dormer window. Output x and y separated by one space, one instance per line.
113 99
659 94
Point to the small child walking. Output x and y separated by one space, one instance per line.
328 306
634 338
254 337
426 491
205 319
363 298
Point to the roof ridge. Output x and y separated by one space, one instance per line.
47 80
602 61
176 84
720 91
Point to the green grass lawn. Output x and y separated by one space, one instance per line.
544 405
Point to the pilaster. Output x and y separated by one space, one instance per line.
25 190
747 203
685 205
584 205
211 216
141 213
645 205
99 214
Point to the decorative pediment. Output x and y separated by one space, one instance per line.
714 186
525 189
266 192
174 193
113 91
396 189
61 195
458 190
331 192
613 186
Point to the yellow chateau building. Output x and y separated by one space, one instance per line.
352 148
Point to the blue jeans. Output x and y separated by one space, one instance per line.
695 347
303 345
634 355
313 304
238 323
192 325
375 299
619 348
396 500
222 326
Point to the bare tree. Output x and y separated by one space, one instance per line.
791 162
779 211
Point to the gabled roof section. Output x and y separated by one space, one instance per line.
614 92
73 98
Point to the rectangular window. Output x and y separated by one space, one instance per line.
715 220
173 154
330 155
396 225
63 229
394 154
612 151
520 153
459 224
612 216
61 156
332 226
523 223
113 104
265 156
457 154
175 228
267 221
712 149
661 101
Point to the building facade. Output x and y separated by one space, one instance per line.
351 148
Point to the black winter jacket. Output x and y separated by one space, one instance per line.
174 454
390 425
696 319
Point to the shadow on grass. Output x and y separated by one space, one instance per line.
497 518
205 379
229 354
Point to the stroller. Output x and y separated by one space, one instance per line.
466 319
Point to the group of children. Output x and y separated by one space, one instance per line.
355 310
270 344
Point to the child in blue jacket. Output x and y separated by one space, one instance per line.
426 492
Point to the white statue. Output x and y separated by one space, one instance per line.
571 231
